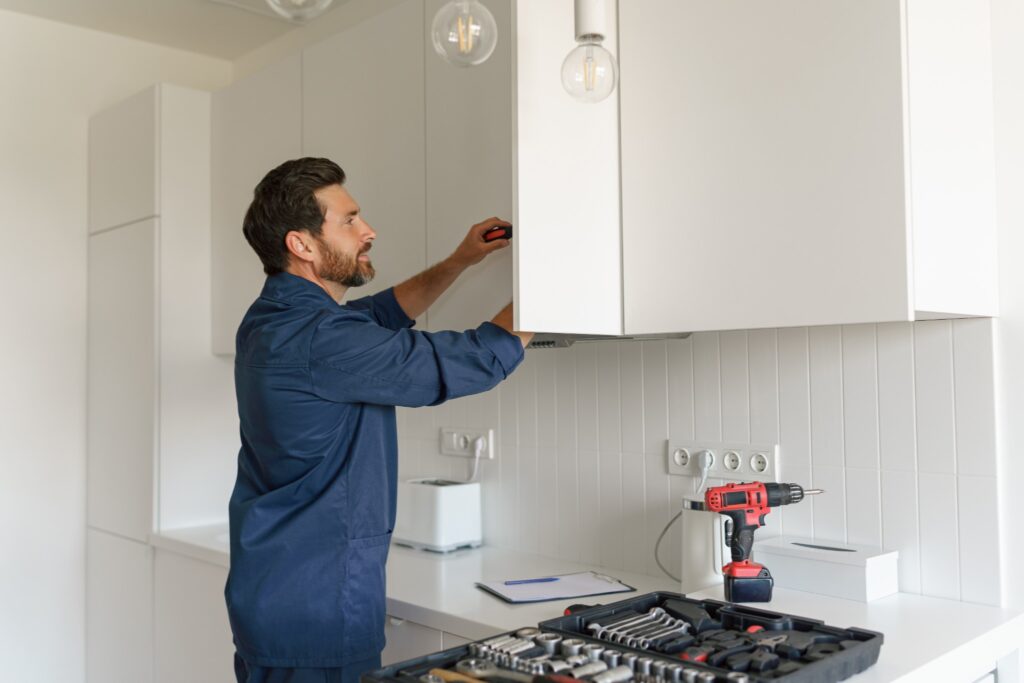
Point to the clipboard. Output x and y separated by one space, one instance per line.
554 587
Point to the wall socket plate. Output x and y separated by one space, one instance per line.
459 442
739 462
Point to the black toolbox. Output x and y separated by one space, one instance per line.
720 643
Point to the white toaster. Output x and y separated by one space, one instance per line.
438 514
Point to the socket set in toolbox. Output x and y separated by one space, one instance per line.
530 655
731 639
654 638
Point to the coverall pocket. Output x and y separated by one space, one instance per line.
364 592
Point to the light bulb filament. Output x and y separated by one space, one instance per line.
465 31
589 70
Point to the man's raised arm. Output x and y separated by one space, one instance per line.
419 292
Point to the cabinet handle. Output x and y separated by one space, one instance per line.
395 621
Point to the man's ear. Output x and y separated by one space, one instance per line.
300 245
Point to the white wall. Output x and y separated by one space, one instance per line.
895 421
1008 58
53 77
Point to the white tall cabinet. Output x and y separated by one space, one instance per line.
161 426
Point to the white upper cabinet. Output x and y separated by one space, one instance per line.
363 108
123 150
567 272
805 162
469 169
257 125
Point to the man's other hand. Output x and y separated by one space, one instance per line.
473 248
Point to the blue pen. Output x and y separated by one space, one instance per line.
516 582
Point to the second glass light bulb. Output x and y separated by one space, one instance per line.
589 72
464 33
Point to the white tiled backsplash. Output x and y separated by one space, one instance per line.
895 421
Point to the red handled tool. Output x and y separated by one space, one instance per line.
501 232
747 504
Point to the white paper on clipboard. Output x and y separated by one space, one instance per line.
578 585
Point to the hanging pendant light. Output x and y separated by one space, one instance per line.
589 72
464 33
299 10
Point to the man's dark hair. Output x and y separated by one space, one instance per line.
284 201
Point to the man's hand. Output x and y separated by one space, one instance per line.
417 293
473 248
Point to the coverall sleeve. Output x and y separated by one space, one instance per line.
384 308
353 360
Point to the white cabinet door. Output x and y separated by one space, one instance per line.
407 640
762 164
469 169
122 379
193 637
119 609
257 125
122 162
363 107
804 162
567 240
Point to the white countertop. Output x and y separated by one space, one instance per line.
926 639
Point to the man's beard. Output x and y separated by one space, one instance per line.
343 269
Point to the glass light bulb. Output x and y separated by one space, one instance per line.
464 33
589 72
299 10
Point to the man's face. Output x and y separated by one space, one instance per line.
344 241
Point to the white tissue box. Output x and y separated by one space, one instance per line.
852 572
438 514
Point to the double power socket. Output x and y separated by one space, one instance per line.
741 462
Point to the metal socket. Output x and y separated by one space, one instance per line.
619 674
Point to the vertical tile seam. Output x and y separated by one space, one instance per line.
778 415
810 422
721 418
750 419
842 432
576 443
956 463
917 469
878 443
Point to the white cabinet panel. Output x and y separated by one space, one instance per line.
567 240
805 162
257 125
193 637
122 162
469 169
762 164
119 609
407 639
121 368
363 107
450 641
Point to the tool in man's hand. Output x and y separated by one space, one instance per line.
747 504
501 232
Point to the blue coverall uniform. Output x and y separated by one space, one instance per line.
314 503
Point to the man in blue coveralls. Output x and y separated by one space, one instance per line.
317 383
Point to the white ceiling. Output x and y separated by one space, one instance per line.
220 28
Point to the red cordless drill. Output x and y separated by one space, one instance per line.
747 504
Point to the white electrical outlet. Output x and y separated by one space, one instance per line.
737 462
460 442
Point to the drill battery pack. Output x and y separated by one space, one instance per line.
749 589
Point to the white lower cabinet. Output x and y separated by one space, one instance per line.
407 639
192 635
119 609
448 640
